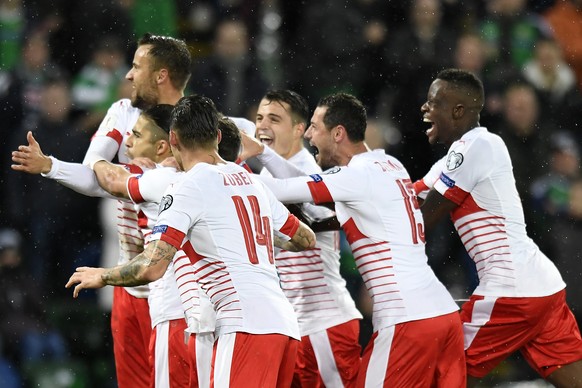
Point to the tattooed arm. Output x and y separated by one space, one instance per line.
146 267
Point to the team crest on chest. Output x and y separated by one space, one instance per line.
454 160
166 202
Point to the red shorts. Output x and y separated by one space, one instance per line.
131 330
542 328
169 355
329 358
244 360
200 349
424 353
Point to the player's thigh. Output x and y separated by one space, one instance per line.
495 327
253 360
200 351
558 343
338 350
411 353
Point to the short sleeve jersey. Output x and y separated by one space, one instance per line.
311 279
109 142
377 208
175 295
477 175
223 220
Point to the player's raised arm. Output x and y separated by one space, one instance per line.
146 267
78 177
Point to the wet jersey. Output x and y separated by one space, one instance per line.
223 219
477 175
377 208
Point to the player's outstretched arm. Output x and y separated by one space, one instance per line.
304 238
146 267
112 178
30 158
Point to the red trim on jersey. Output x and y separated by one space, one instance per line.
466 206
142 220
115 135
319 192
419 186
290 227
173 237
191 253
456 195
133 168
352 232
133 190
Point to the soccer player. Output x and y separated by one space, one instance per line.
329 352
519 303
224 220
418 339
159 73
150 139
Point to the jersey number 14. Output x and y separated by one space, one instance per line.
262 231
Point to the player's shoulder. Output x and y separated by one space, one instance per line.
124 105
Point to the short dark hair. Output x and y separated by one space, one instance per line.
160 115
345 109
298 104
172 54
229 146
195 121
463 79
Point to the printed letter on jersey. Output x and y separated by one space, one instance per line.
454 160
166 202
446 180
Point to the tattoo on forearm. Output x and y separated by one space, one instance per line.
131 273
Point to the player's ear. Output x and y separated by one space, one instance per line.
458 111
338 133
173 139
162 76
162 147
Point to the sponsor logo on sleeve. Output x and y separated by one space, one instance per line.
446 180
159 229
165 204
454 160
316 177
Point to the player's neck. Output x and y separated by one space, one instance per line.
350 150
170 96
191 158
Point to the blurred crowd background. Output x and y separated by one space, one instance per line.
63 62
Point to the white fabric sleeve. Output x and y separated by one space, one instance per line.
278 166
245 125
77 177
292 190
102 147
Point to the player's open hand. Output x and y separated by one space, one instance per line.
170 162
250 147
30 158
143 162
86 277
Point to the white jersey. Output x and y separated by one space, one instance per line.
175 295
377 208
223 219
311 279
477 174
108 142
